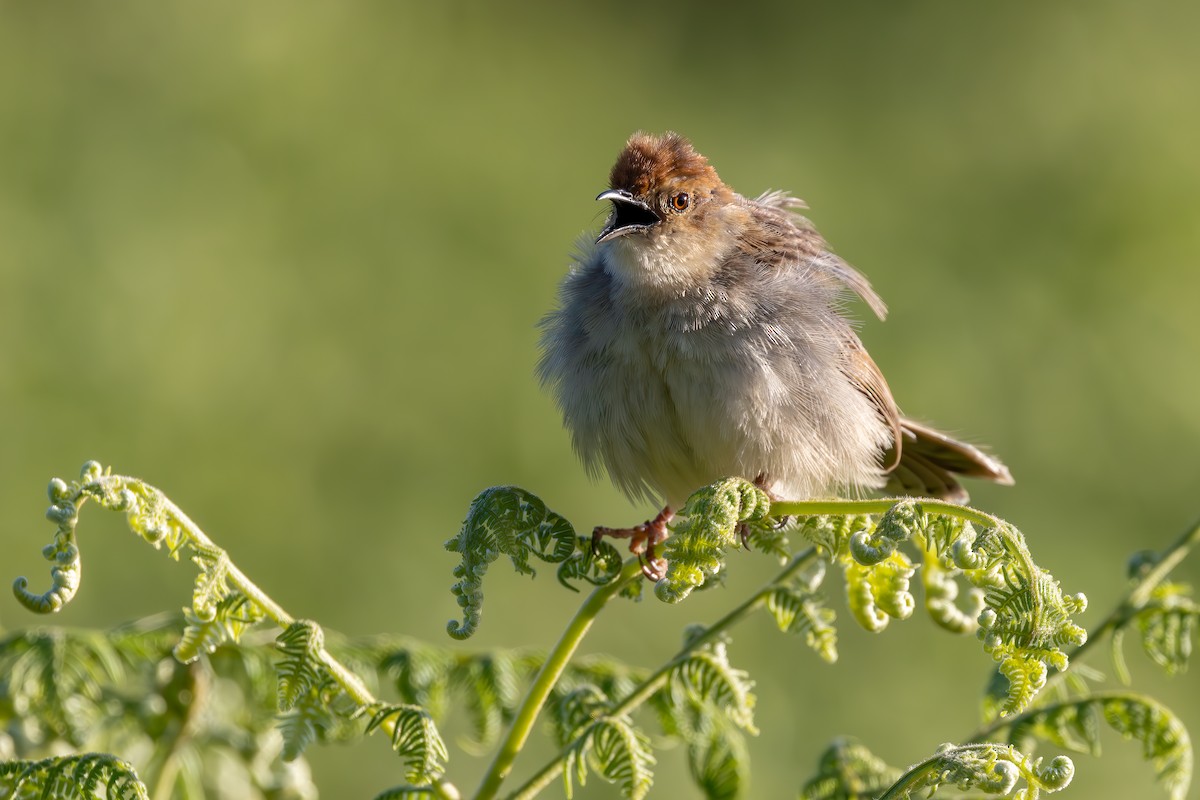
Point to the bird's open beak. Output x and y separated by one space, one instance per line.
629 215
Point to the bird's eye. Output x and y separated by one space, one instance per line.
681 201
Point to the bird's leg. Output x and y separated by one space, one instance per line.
643 539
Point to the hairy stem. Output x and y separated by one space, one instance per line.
548 676
348 680
916 776
655 681
812 508
1134 601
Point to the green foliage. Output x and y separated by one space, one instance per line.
705 679
122 691
216 614
718 762
615 749
1020 612
406 793
596 562
113 690
299 671
307 721
849 771
1166 625
989 768
415 738
491 690
1075 725
421 674
707 705
91 776
59 682
798 608
223 622
704 529
503 520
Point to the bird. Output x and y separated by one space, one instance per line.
703 334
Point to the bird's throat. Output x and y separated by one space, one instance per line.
661 265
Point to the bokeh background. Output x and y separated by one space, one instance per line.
286 260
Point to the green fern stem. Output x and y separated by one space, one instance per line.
813 508
917 776
350 682
655 681
548 676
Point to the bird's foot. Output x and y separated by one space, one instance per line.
643 542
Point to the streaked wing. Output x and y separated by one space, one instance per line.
781 236
867 378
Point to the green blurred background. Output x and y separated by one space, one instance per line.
285 261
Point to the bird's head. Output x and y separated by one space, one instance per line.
660 185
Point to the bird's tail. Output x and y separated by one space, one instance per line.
931 462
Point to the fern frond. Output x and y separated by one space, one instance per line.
224 624
1165 741
90 776
831 533
576 709
769 535
1025 619
1075 724
59 680
503 520
616 750
493 689
1071 725
595 562
420 673
804 612
299 670
406 793
719 763
874 544
705 528
306 721
847 770
941 592
988 768
705 677
63 553
878 592
415 739
1168 624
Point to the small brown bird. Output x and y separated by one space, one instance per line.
702 335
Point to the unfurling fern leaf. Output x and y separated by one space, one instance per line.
1075 724
849 771
804 612
415 738
299 670
503 520
90 776
707 677
225 624
614 748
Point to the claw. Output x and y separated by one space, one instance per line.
643 539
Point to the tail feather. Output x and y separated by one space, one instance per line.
930 463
